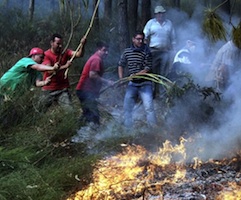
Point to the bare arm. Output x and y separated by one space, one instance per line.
95 75
80 53
57 67
41 83
120 72
142 72
42 68
67 65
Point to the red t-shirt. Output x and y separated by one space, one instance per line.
58 81
94 63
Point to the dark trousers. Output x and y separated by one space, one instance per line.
160 66
89 106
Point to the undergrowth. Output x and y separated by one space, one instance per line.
37 160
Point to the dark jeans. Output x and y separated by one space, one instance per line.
161 66
89 106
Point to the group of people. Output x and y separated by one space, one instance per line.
47 69
151 52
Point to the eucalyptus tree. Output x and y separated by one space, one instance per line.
133 15
177 3
145 12
107 10
31 9
123 29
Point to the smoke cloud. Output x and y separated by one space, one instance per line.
213 124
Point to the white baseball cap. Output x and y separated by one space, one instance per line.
159 9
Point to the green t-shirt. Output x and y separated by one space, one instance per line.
19 77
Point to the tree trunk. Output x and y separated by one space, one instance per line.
133 15
145 12
31 9
97 21
123 25
107 10
177 3
61 7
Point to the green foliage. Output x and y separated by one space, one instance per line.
37 159
236 35
53 180
213 26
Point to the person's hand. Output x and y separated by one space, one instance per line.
47 80
141 72
83 40
56 66
110 82
68 63
122 83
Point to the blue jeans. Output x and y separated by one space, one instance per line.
144 91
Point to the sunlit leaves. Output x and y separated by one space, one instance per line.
213 26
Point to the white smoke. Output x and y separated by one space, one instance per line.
218 133
217 140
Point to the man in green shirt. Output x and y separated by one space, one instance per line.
25 73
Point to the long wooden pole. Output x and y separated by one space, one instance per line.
70 37
85 36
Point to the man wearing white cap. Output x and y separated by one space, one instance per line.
161 37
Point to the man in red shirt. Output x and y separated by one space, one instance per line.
90 83
57 89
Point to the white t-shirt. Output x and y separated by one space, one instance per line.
161 36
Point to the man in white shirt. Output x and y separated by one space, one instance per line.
225 64
161 37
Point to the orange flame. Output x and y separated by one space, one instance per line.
233 192
136 173
132 173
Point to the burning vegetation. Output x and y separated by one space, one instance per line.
199 166
168 173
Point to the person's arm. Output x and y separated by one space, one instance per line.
147 62
41 83
121 65
120 72
58 67
146 32
67 65
42 68
95 75
80 53
144 71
